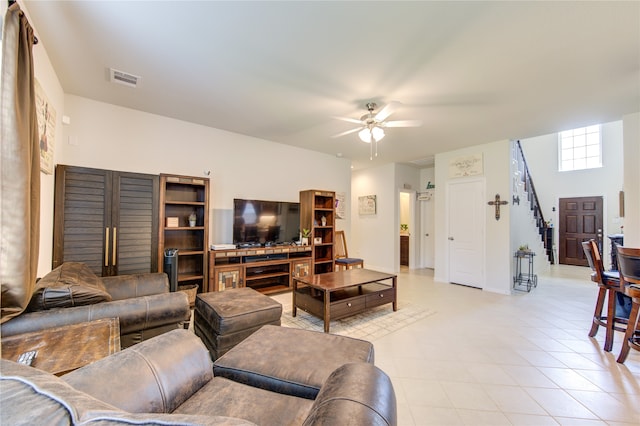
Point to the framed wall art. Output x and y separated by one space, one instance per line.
46 129
341 206
367 205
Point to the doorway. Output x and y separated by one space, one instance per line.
466 228
406 227
580 220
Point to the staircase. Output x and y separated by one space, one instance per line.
545 232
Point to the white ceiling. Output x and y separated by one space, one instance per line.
473 72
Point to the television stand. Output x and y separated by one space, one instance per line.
265 269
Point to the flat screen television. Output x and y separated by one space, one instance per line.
265 222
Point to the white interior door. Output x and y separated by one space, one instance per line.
466 232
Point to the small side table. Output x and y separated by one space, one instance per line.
524 281
63 349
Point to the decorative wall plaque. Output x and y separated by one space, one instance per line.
367 204
470 165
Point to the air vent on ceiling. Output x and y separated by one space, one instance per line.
424 162
124 78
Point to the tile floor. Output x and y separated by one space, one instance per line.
490 359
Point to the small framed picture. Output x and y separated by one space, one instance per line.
317 240
367 205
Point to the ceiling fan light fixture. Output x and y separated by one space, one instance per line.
367 135
377 133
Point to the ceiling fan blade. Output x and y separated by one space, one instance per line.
385 112
402 123
349 120
357 129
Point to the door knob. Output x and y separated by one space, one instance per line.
450 238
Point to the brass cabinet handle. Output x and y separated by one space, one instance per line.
106 246
115 233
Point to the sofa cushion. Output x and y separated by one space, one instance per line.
290 361
32 397
29 395
70 284
166 371
230 399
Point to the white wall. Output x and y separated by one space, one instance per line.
111 137
498 257
426 237
404 209
541 154
372 236
631 179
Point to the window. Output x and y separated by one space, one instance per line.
580 149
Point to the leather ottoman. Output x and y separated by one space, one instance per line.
222 319
289 360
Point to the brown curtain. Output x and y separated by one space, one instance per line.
19 167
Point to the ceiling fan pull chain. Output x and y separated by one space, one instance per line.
371 149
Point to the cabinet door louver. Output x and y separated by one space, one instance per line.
136 232
80 217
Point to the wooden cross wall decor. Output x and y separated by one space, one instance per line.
497 203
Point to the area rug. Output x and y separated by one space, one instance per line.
369 325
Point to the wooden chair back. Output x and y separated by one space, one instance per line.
592 253
629 265
341 246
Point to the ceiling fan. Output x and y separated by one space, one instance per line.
371 125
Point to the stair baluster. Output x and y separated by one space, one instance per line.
533 200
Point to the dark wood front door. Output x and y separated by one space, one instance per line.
580 220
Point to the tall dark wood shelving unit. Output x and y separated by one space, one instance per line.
180 196
314 205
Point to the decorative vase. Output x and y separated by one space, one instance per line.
323 220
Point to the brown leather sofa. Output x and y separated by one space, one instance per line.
169 380
72 294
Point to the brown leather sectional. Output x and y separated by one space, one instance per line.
71 294
170 380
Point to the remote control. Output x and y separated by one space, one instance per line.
27 357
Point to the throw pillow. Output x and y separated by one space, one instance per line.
70 284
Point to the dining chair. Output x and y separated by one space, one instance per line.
608 287
342 260
629 267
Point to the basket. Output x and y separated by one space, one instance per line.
191 290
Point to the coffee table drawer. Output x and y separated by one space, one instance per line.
380 298
347 307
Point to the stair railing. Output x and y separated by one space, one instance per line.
532 195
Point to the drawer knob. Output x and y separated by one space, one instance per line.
381 295
349 304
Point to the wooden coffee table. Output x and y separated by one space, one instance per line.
62 349
340 294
